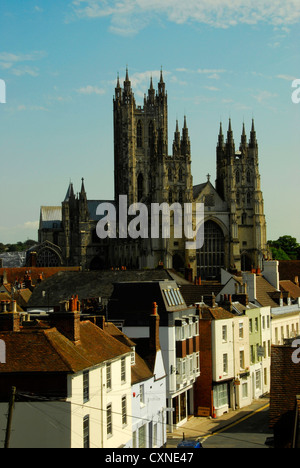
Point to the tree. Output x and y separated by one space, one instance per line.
285 244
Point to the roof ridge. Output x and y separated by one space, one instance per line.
51 331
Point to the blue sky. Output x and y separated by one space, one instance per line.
220 58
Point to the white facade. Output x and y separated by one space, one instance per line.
182 372
285 323
149 409
222 364
83 419
242 361
260 350
266 331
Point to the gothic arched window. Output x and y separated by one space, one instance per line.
140 186
139 135
48 258
211 257
248 198
170 174
237 176
151 134
180 175
248 177
180 196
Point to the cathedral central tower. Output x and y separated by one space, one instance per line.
143 169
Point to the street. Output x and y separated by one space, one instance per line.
244 428
250 432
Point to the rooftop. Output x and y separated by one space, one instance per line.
42 348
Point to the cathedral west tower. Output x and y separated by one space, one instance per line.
238 184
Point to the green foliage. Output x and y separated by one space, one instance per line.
285 248
18 247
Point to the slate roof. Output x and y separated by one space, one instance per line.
194 293
87 284
197 189
50 217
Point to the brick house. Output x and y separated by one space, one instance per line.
285 391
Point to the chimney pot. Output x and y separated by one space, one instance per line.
154 308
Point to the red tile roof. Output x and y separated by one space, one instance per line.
14 274
140 371
289 269
44 349
216 313
292 288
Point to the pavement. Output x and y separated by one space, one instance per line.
201 427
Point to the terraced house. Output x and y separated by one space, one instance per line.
61 370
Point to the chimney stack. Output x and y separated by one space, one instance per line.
32 259
67 321
4 279
154 329
9 321
100 321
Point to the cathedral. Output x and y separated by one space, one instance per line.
234 220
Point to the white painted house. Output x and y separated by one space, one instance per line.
148 386
73 383
129 308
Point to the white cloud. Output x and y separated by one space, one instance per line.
23 70
130 16
286 77
211 88
22 108
14 58
264 96
31 225
91 90
208 71
15 62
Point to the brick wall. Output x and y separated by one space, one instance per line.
203 385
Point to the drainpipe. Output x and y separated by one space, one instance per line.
101 409
234 369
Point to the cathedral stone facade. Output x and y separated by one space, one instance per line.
234 227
